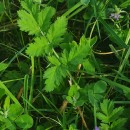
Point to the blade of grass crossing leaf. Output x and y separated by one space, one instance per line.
95 13
122 102
128 37
25 92
14 57
124 62
119 41
72 9
115 84
115 52
48 118
77 11
9 93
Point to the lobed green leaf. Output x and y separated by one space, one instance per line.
38 48
57 30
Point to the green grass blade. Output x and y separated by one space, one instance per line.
115 84
2 86
118 40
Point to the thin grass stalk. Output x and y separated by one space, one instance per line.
41 79
32 81
67 13
2 86
25 92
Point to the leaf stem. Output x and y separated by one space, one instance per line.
32 80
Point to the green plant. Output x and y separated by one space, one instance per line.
12 117
65 62
111 117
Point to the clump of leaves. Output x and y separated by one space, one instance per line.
47 37
62 60
111 117
12 117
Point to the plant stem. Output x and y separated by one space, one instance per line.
72 9
39 65
77 11
32 80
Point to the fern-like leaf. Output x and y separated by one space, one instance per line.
29 6
118 124
32 20
53 60
38 48
79 52
108 114
57 30
54 77
44 18
27 23
116 113
107 107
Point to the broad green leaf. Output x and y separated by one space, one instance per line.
38 48
28 23
6 103
44 18
83 93
57 30
12 113
3 66
94 95
24 121
94 99
98 97
100 86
